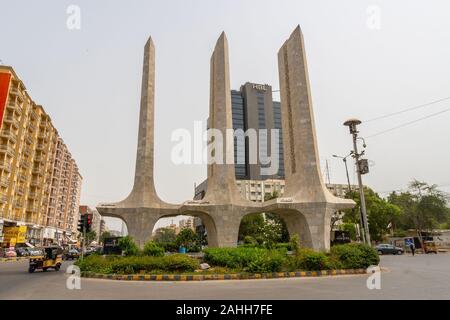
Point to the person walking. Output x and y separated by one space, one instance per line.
413 249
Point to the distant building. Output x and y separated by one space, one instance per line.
254 108
102 227
115 233
187 223
258 190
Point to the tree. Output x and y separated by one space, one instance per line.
250 226
423 207
164 235
104 235
90 236
151 248
381 214
189 239
128 246
276 218
350 228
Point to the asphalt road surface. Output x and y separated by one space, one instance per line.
406 277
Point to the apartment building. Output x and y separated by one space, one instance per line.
29 149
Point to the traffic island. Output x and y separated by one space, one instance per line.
239 263
233 276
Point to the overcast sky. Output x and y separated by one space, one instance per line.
88 80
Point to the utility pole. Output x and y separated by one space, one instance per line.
344 159
328 172
361 168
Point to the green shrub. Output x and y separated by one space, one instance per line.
283 245
168 246
153 249
248 259
189 239
294 241
134 264
355 255
249 240
128 247
309 260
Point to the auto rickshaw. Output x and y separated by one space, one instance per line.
430 247
51 258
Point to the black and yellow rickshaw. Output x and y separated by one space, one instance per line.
51 258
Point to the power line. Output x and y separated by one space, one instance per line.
407 110
408 123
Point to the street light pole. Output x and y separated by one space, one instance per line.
352 123
344 159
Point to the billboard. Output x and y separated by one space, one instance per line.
15 234
5 79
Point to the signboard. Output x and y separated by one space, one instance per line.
5 79
49 233
15 234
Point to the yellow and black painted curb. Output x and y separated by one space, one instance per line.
233 276
13 259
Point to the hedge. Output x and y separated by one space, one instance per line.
240 259
151 248
133 265
307 259
247 259
355 255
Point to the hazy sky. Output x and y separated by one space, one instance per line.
89 80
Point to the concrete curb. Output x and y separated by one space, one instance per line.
13 259
234 276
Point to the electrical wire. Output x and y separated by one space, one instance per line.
407 110
408 123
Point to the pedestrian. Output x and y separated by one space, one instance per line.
413 249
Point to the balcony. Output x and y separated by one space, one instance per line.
22 177
33 208
18 204
11 120
4 182
35 183
28 139
20 191
6 148
33 114
27 151
15 107
38 170
31 127
24 164
8 135
32 195
2 198
40 147
43 135
5 166
39 159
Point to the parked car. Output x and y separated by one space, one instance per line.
72 254
22 252
10 253
389 249
35 252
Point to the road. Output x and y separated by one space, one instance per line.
419 277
